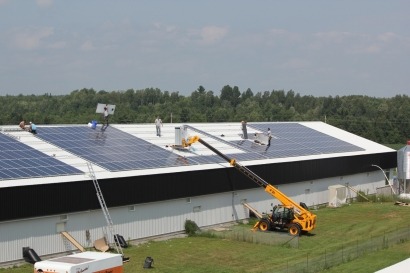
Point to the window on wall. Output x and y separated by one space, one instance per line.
60 227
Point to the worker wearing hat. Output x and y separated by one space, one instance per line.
33 128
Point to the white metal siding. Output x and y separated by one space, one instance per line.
154 219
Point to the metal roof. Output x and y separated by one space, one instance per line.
134 149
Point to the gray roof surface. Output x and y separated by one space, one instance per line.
62 152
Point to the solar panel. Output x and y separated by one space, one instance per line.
116 150
289 140
294 139
18 160
111 148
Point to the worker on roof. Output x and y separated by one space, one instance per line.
32 128
244 130
23 125
158 125
269 136
105 115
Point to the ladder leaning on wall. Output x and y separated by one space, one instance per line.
104 208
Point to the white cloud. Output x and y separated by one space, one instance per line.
166 28
333 36
44 3
58 45
277 31
281 36
351 43
30 38
212 34
87 45
372 49
387 37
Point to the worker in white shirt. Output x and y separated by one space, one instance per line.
106 115
158 125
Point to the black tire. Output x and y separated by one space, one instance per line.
294 229
264 225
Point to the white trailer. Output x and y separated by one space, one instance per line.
87 262
400 267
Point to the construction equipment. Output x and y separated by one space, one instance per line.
290 216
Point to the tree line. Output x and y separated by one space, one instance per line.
384 120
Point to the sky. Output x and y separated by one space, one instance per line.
315 48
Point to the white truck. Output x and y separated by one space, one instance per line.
84 262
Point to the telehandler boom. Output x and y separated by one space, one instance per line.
290 216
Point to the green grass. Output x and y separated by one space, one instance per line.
337 228
374 261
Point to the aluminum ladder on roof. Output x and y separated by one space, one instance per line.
104 207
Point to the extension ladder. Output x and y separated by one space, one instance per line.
104 208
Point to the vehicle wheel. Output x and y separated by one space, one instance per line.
264 225
294 229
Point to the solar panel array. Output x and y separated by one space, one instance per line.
116 150
288 140
294 139
111 148
18 160
252 152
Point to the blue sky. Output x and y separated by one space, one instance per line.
317 47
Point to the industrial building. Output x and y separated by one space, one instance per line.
151 185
